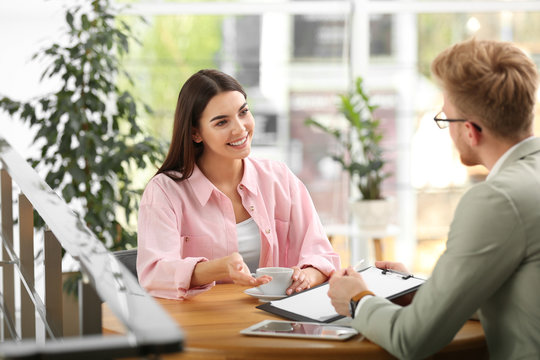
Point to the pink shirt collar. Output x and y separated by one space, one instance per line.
203 188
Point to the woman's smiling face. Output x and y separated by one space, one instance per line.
226 126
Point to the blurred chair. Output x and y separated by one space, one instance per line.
128 258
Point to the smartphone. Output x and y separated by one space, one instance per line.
299 329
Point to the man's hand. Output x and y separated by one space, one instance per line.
343 286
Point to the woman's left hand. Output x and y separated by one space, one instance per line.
305 278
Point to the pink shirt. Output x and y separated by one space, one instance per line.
183 223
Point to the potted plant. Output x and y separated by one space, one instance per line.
361 155
88 131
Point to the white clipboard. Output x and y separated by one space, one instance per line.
315 305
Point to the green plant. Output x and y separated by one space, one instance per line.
361 154
87 132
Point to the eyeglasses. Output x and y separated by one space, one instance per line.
443 122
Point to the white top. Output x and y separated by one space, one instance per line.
249 243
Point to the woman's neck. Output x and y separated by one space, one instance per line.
221 172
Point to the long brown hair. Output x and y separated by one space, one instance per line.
197 91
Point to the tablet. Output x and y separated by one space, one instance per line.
298 329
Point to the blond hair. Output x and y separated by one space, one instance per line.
491 80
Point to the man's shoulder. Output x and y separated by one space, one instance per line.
510 194
520 176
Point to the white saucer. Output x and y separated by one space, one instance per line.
256 292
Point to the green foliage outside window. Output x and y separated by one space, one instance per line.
173 48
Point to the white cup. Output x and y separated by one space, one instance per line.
281 280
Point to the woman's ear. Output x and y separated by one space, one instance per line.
195 136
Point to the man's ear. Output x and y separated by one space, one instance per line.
473 134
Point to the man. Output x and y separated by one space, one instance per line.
492 257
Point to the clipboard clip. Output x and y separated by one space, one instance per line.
403 276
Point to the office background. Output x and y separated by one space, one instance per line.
294 58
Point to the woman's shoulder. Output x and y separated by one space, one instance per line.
169 178
163 183
163 190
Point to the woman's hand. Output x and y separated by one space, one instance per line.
240 274
305 278
228 268
392 266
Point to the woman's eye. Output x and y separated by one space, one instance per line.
244 111
221 123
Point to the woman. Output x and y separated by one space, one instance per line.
211 213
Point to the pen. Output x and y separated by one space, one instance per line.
357 266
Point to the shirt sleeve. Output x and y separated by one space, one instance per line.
161 267
483 249
307 238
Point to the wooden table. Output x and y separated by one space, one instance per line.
211 322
